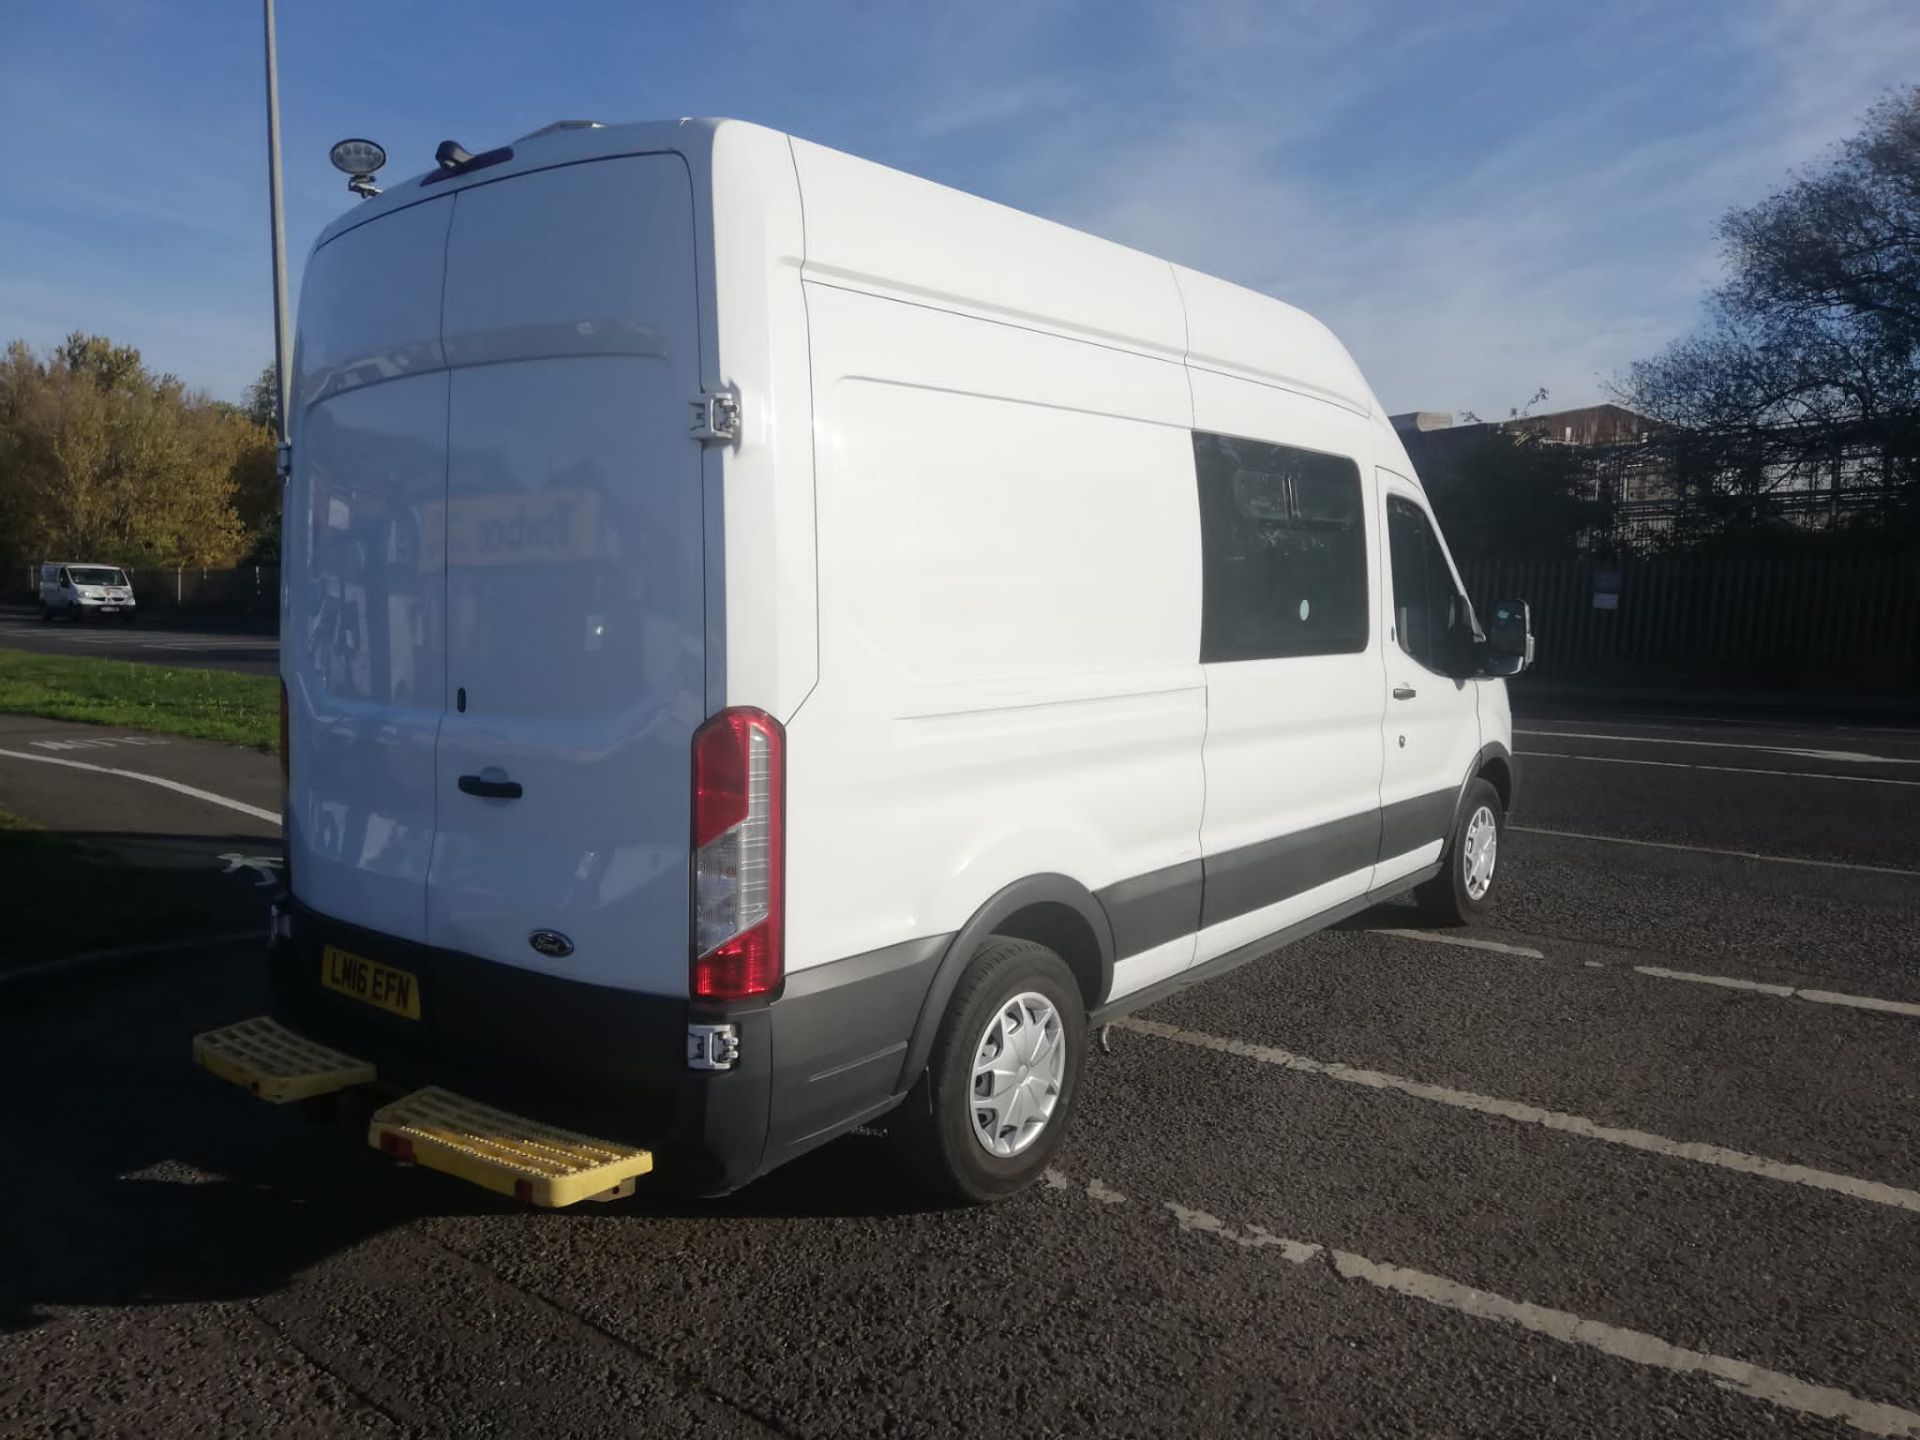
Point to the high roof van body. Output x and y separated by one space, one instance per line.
774 645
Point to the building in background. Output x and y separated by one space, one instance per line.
1649 486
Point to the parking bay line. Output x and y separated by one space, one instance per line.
1713 850
1818 997
1661 972
1775 1387
1696 1151
1725 769
162 781
1464 942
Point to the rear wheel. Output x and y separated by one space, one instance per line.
990 1112
1463 890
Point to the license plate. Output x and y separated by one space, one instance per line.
397 991
109 609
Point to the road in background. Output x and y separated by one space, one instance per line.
155 640
1635 1157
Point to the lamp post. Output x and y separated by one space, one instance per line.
282 331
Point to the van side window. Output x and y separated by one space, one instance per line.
1283 551
1423 592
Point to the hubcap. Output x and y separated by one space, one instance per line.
1018 1068
1482 848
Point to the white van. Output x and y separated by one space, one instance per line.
773 645
77 589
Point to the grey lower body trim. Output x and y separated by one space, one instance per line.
1408 824
1149 910
1152 909
1253 950
1265 873
839 1036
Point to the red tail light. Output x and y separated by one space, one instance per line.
739 855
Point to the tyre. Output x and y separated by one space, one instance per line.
127 619
1463 890
45 613
989 1113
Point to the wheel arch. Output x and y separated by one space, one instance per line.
1056 911
1494 764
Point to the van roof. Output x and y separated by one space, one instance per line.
887 230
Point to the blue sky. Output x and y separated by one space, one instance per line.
1480 198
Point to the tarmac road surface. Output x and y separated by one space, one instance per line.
1636 1157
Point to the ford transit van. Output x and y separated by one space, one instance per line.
773 646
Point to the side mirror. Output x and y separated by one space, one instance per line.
1509 646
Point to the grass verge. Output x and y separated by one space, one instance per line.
199 704
66 897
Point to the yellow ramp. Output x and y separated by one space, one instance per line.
507 1153
263 1056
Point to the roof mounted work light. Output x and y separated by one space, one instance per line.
359 161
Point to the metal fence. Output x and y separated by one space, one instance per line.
1831 623
251 592
1828 623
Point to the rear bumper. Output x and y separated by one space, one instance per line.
587 1057
824 1056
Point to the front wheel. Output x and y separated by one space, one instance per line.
989 1113
45 613
1463 890
127 619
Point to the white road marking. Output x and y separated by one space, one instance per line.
1870 1417
1697 1151
1818 997
1725 982
1799 752
1105 1195
261 865
1714 850
1660 972
108 742
1463 942
1636 1347
1725 769
161 781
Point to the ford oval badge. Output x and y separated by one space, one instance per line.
551 943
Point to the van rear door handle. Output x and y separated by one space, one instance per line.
1404 692
489 788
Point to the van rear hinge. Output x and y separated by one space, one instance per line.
716 415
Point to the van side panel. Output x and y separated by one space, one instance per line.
1009 593
879 230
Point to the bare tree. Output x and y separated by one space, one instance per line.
1806 375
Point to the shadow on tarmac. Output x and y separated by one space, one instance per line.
137 1179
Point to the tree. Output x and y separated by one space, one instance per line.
1503 492
1504 489
263 400
1808 366
101 458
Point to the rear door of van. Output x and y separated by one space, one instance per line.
363 643
575 653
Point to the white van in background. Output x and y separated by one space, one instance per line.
774 645
76 590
